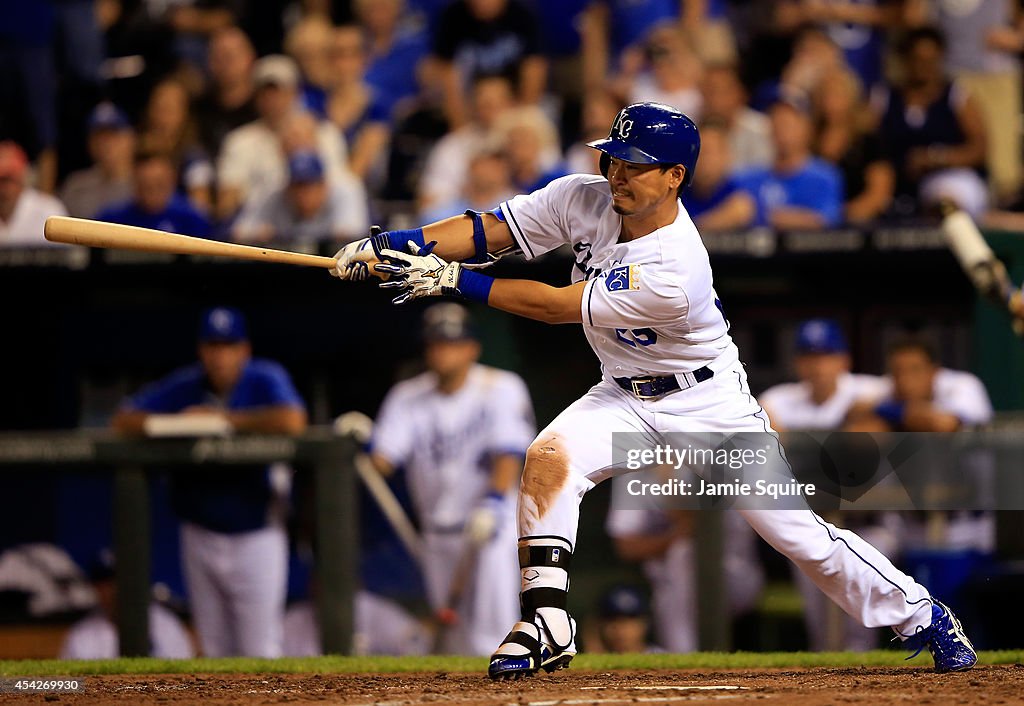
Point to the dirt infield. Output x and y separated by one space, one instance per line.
875 685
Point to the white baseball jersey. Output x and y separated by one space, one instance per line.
791 406
959 393
653 290
446 442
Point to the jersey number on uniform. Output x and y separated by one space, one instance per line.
637 336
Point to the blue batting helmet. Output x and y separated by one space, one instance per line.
651 133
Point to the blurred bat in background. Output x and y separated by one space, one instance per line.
980 264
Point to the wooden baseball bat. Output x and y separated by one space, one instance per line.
97 234
979 263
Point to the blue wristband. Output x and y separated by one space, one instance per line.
891 412
475 286
399 240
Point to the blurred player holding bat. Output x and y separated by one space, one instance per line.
980 264
643 289
460 430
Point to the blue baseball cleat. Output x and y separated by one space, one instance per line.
946 640
522 654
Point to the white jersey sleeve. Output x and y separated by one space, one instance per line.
392 432
512 425
633 296
963 395
540 221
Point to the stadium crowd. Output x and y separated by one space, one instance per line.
310 119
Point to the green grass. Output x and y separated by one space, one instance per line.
351 665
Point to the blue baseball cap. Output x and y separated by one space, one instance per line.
107 116
448 322
622 602
305 167
222 324
820 336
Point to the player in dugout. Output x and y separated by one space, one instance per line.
233 539
642 288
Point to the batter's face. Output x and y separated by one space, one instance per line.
451 358
913 375
224 362
640 190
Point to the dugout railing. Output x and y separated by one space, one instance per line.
331 459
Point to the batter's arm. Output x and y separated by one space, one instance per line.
453 240
538 301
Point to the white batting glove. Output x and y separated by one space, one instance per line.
482 524
351 261
418 275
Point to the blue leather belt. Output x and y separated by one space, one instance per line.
650 386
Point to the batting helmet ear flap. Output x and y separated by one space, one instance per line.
606 162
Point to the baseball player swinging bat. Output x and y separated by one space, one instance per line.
980 264
98 234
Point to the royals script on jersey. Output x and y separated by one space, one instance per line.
649 307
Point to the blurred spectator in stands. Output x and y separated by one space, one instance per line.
140 52
228 102
664 70
445 171
252 161
560 37
193 23
798 190
985 41
933 130
109 180
707 26
610 27
233 540
623 622
814 54
645 531
28 85
846 138
95 635
599 111
308 208
484 38
353 105
167 126
156 202
530 141
725 99
23 210
300 131
395 50
488 183
856 27
308 42
716 199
